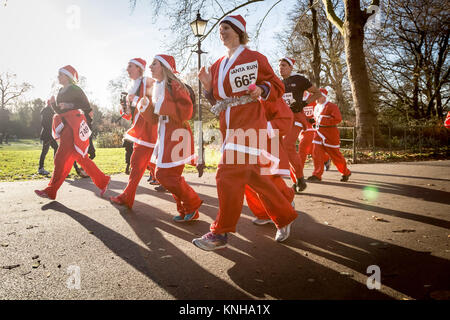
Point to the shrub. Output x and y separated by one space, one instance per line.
111 139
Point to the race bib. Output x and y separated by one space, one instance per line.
84 131
288 98
309 111
243 75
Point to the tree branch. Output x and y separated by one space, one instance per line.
331 16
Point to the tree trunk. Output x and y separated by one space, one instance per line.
366 115
316 50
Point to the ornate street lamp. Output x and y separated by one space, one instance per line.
198 27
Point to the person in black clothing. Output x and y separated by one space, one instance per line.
46 136
296 88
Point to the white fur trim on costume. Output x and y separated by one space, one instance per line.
134 102
83 154
235 22
138 64
270 131
138 141
67 73
223 70
164 62
158 94
298 124
58 129
291 63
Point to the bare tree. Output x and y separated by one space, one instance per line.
410 58
10 91
352 29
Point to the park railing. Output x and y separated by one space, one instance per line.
396 139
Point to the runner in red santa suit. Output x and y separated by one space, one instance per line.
71 128
244 125
143 132
447 121
326 138
296 85
280 119
172 104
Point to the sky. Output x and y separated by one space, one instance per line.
98 38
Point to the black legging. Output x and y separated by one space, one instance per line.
45 146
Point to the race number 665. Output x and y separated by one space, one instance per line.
245 80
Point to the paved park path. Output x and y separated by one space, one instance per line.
393 216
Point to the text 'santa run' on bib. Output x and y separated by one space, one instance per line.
243 75
288 98
84 131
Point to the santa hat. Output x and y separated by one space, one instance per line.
167 61
324 91
290 61
141 63
70 72
236 22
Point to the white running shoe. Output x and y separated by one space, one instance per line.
283 233
260 222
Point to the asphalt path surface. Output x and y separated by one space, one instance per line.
392 218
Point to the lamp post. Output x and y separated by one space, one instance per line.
198 27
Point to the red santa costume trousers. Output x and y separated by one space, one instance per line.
171 178
305 147
319 153
231 181
64 159
140 160
289 144
257 205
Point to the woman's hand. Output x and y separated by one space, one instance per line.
205 78
255 93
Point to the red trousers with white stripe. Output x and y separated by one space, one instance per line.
257 205
139 161
186 198
319 152
231 180
305 147
64 159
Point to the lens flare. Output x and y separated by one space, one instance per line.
370 193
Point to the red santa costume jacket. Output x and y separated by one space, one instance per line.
175 144
231 78
143 131
279 117
327 117
76 121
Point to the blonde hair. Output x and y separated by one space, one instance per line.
243 38
170 77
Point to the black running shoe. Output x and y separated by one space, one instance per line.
345 178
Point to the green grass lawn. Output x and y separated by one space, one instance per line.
19 160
